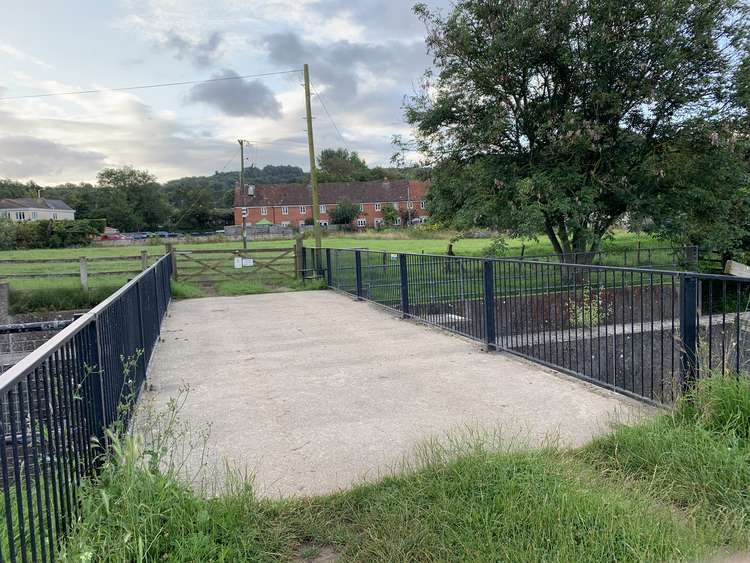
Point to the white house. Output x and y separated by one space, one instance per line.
31 209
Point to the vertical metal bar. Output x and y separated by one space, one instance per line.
329 270
6 482
39 454
12 412
22 419
489 306
404 274
358 273
688 329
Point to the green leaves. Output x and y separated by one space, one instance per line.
568 106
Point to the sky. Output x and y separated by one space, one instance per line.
364 57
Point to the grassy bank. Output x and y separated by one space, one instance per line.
669 489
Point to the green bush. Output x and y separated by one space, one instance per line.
57 234
7 234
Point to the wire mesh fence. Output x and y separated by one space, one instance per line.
56 403
644 332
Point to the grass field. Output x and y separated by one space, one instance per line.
51 293
674 488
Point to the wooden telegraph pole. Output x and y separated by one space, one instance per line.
313 170
242 192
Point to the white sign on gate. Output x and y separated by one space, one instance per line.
237 263
248 262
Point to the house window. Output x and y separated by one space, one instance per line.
423 204
303 209
361 223
378 222
301 224
285 211
410 205
264 210
395 205
377 206
361 207
397 221
322 208
285 223
20 215
35 215
54 215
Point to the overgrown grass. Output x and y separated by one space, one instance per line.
674 488
186 290
57 298
696 458
251 287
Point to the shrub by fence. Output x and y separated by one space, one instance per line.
62 396
642 332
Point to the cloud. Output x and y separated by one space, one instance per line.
25 156
21 56
237 97
201 53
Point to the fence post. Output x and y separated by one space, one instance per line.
298 250
404 285
358 271
688 329
489 307
98 401
84 272
140 326
144 259
329 272
173 259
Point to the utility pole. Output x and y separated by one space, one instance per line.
242 191
313 170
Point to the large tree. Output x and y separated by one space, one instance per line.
132 199
564 116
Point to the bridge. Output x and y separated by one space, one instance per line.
315 391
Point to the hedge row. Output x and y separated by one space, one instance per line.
48 233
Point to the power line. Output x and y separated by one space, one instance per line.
148 86
231 158
322 103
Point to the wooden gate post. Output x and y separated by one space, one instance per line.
173 259
144 259
84 273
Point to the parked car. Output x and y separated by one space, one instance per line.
112 236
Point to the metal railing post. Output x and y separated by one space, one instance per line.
490 334
404 285
358 272
688 330
329 272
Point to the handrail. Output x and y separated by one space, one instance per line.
31 361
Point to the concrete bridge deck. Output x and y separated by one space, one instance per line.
313 392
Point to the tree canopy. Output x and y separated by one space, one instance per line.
566 117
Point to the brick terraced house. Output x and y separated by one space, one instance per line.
291 204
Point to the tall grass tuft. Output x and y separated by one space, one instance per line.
696 457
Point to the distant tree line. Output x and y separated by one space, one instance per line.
133 200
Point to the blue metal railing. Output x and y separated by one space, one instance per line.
644 332
56 403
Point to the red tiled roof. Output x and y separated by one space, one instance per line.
274 195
